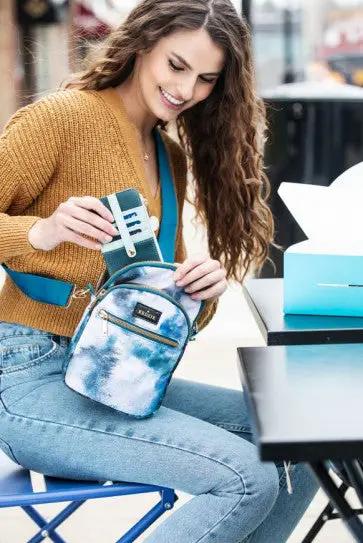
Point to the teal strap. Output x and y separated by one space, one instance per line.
58 292
169 204
42 289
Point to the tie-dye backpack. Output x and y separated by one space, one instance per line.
134 332
131 338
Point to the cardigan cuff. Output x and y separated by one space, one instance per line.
14 239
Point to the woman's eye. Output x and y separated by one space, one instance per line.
210 81
175 67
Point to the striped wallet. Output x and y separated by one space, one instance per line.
136 240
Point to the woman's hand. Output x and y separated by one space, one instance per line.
72 220
201 277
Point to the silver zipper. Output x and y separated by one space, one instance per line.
107 317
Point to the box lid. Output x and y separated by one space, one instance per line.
331 217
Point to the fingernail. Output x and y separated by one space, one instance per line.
108 239
179 283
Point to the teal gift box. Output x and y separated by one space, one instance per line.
324 274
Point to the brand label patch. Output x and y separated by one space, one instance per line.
147 313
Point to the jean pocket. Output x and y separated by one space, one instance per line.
23 351
8 451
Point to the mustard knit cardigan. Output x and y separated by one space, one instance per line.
69 143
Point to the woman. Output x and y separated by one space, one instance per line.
187 61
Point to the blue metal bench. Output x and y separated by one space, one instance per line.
16 491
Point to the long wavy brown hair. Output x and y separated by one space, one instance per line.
223 136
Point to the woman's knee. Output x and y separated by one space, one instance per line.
255 480
266 487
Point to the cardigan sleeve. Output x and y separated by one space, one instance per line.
28 156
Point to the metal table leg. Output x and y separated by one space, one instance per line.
346 512
324 516
355 474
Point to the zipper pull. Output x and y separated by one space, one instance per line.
105 327
104 318
194 332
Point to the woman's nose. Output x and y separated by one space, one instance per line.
187 89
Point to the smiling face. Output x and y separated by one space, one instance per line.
180 71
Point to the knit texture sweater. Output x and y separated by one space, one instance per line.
69 143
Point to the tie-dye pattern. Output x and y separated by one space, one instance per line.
121 368
161 277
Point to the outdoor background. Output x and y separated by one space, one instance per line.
41 40
301 41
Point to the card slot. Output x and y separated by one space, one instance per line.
130 215
132 224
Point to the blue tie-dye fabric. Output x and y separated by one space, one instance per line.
121 368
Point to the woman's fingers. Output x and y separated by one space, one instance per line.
92 203
213 292
188 265
202 277
71 221
95 220
73 237
206 281
194 268
81 227
85 216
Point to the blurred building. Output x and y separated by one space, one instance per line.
278 42
33 50
41 41
342 44
9 77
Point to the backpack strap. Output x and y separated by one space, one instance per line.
45 289
169 203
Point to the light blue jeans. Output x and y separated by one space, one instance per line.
199 441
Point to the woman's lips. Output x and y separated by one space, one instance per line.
169 104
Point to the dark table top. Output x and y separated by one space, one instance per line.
306 400
265 298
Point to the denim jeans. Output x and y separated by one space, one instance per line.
199 442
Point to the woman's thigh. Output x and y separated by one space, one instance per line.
222 407
53 430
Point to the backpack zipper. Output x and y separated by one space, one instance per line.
108 317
